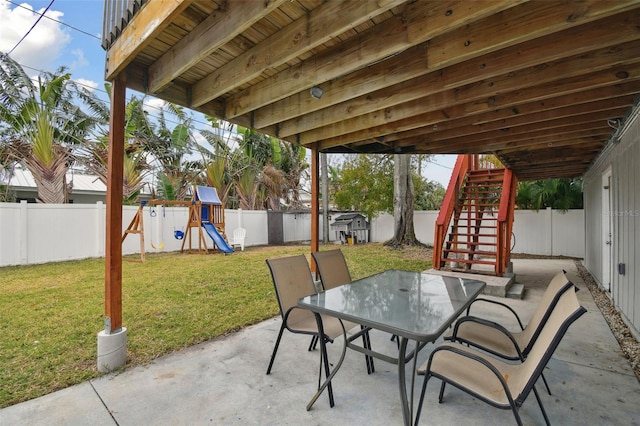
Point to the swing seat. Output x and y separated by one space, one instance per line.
178 234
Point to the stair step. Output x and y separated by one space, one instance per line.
485 178
470 234
474 252
472 262
515 291
487 171
474 243
476 204
465 209
476 226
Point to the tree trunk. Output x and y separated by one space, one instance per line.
403 231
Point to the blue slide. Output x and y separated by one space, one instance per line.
217 238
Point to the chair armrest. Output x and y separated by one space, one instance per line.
495 302
492 324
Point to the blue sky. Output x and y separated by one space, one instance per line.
72 38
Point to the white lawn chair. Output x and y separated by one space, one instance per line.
238 238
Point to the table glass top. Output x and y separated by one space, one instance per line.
415 305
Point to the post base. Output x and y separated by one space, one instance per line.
112 350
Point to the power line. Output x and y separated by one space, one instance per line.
54 20
30 29
90 35
109 100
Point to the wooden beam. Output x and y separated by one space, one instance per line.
507 133
436 90
590 143
151 20
315 204
210 35
380 41
428 109
423 124
429 22
113 250
319 26
564 105
516 25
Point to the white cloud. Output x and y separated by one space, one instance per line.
87 84
153 105
79 61
44 44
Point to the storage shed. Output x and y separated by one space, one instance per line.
351 228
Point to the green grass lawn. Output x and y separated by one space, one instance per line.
51 314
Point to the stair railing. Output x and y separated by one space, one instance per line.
464 163
505 222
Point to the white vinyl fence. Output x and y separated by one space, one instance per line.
40 233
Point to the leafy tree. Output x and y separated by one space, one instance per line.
428 193
136 167
366 184
560 194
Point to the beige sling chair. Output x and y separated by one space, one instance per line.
334 272
494 338
292 280
501 384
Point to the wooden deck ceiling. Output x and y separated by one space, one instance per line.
542 84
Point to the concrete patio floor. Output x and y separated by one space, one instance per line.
223 382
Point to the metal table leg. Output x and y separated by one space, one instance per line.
407 405
323 350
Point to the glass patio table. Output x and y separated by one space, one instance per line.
414 306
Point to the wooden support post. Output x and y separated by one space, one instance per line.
315 205
113 252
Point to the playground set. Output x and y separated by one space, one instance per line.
206 215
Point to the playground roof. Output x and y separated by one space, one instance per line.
208 195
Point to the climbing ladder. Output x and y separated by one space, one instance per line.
476 218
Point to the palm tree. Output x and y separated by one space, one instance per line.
40 125
561 194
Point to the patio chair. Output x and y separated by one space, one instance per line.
333 271
292 280
501 384
494 338
239 235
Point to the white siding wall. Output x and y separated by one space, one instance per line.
623 159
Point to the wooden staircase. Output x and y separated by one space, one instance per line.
475 221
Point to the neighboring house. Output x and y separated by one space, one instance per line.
86 189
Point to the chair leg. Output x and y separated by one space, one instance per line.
544 413
314 343
441 395
275 348
544 379
424 389
394 337
514 409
